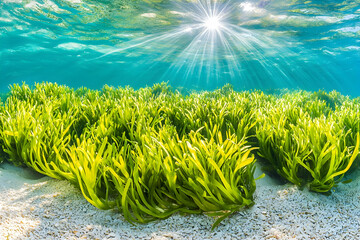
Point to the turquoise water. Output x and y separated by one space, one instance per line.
266 44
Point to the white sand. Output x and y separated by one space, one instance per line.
51 209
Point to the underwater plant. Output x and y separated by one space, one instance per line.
161 88
29 134
307 147
277 145
2 110
330 154
216 173
332 100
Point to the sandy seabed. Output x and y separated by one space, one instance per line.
35 207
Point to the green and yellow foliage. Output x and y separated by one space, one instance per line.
154 151
149 153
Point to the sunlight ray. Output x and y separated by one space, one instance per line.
210 46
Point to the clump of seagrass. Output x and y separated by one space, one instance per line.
307 143
135 150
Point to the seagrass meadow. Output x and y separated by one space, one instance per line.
155 151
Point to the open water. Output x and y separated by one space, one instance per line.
195 44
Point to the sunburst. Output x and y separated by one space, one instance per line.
209 48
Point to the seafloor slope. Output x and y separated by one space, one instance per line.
46 208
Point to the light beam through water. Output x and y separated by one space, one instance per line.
210 48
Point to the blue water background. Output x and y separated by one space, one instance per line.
291 44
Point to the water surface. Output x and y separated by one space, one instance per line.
263 45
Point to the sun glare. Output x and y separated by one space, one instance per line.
212 23
208 45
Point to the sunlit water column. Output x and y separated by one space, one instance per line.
209 48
